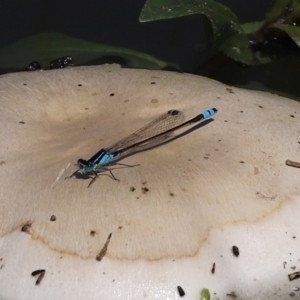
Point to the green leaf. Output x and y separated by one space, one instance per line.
205 294
229 36
294 14
283 11
237 47
292 31
252 27
220 16
265 57
277 10
46 47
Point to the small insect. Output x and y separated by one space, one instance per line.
62 62
156 132
33 66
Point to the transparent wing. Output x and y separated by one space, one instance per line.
159 125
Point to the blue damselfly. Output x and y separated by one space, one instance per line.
156 132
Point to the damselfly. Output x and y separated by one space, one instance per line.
156 132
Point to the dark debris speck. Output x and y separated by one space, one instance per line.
53 218
145 190
213 269
235 251
181 292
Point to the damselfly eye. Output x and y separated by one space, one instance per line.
81 163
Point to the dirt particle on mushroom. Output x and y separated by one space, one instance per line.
294 276
213 268
145 190
41 273
22 122
27 228
104 249
180 290
232 295
291 163
53 218
2 162
132 189
92 233
235 251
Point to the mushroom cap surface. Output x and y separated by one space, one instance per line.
221 183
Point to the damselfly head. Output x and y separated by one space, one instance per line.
84 166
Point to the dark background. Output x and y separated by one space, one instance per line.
182 41
116 23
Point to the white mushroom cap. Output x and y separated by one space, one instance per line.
222 184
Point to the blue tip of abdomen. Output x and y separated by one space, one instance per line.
210 112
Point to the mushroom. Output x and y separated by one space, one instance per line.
169 221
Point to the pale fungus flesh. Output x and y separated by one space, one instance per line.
219 184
